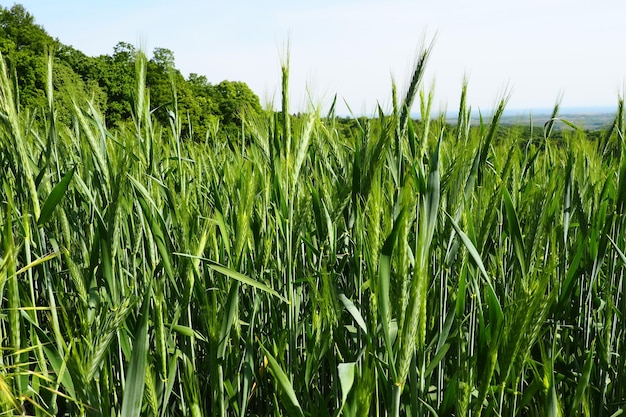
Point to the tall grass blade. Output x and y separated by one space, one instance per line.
347 373
136 375
284 384
583 382
515 232
55 197
354 312
246 280
384 302
471 249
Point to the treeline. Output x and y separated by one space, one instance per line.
108 81
204 110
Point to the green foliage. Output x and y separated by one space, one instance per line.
232 98
310 266
207 111
23 44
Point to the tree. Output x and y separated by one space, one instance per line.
79 75
231 98
110 80
70 88
161 80
18 26
24 45
116 76
164 58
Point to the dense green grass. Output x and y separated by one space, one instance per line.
412 269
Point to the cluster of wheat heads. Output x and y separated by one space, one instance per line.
404 267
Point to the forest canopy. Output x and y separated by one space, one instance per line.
107 81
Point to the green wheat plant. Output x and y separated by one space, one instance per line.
313 265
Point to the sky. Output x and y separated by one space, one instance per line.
532 51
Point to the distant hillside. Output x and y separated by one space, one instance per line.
586 119
590 119
108 81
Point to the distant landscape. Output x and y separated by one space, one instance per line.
586 118
598 118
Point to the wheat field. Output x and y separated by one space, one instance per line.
411 267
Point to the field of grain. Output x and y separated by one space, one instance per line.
411 268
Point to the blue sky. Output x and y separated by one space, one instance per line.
535 49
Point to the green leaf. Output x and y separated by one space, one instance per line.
583 382
441 353
567 195
229 312
55 197
514 231
106 261
156 224
187 331
59 364
283 382
384 279
552 403
429 408
471 249
496 315
243 279
346 379
354 312
136 375
237 276
569 282
432 196
619 251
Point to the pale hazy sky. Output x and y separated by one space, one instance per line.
537 49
